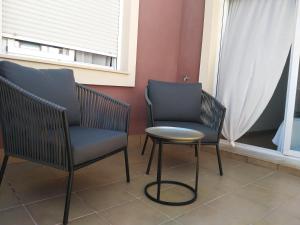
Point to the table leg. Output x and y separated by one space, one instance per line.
159 170
151 157
197 167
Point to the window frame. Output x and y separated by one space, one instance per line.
91 74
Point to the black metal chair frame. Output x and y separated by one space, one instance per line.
37 130
212 115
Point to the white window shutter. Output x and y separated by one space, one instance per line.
86 25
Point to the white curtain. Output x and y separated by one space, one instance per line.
255 45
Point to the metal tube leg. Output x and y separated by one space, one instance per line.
197 167
151 158
219 159
126 165
68 198
145 144
159 170
3 167
196 151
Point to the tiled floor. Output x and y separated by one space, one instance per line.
246 195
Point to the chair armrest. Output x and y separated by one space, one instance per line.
212 112
101 111
33 128
150 119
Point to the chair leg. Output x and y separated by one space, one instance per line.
3 167
197 167
219 159
145 144
68 198
126 165
151 158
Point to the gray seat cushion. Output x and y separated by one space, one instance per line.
175 101
211 135
54 85
91 143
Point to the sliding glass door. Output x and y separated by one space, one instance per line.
295 137
291 127
291 130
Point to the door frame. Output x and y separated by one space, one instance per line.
292 90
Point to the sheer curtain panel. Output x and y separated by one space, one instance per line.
255 46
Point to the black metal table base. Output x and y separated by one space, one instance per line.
161 138
158 200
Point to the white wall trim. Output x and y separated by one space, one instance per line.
93 74
212 30
264 154
83 73
18 37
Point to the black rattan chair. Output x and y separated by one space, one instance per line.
43 122
187 106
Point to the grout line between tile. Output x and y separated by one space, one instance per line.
207 204
103 216
268 212
9 184
133 195
165 222
210 201
29 214
116 205
156 210
84 203
104 185
44 199
82 216
10 207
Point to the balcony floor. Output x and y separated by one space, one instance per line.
246 194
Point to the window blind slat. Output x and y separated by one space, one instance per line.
89 24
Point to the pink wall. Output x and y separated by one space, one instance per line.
191 39
169 45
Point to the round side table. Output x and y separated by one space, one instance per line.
172 135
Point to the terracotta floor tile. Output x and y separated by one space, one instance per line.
8 197
36 189
134 212
93 219
15 216
281 182
171 222
244 210
247 173
20 172
224 184
93 178
137 185
263 196
247 194
101 198
291 206
183 173
50 212
207 216
280 216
